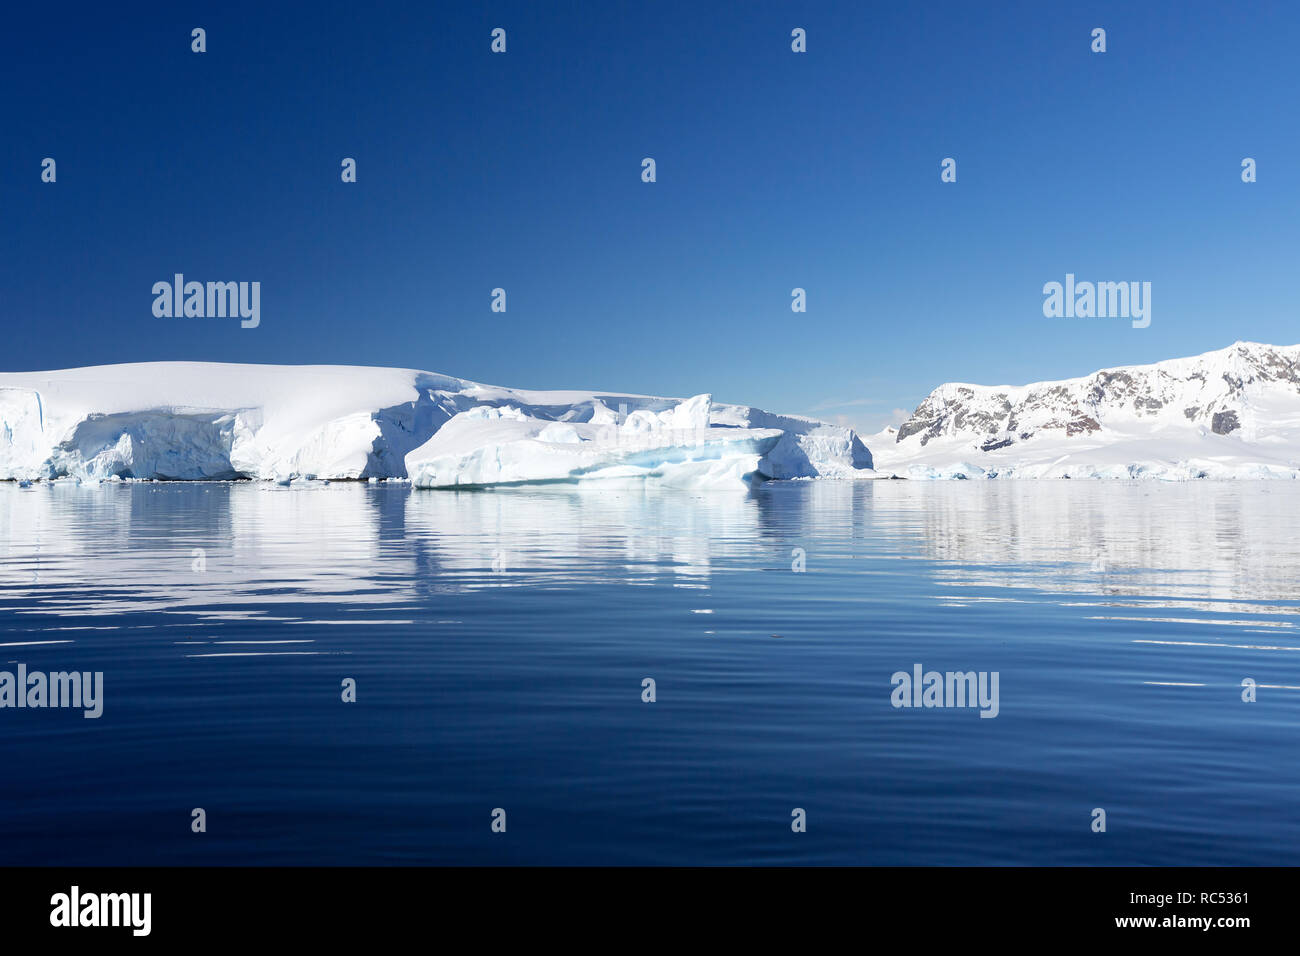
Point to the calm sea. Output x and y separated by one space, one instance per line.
500 644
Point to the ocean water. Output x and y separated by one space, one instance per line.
499 642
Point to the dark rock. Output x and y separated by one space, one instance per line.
1224 422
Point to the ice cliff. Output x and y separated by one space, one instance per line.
200 420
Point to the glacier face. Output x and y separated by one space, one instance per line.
196 420
1232 413
504 445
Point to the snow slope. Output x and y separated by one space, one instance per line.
1232 413
193 420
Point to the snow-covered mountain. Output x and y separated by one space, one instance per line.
1230 413
193 420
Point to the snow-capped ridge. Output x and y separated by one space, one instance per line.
1233 412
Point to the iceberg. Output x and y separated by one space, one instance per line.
676 447
215 421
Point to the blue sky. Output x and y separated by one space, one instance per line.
775 170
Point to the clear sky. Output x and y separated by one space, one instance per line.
775 170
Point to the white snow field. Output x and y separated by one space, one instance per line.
1232 413
202 420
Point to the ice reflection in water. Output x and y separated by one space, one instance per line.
499 640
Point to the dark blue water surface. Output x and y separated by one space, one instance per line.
499 641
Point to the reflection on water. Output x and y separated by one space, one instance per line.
241 544
499 641
1189 543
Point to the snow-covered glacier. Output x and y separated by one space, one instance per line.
1231 413
202 420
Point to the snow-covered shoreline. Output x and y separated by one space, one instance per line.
1229 414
